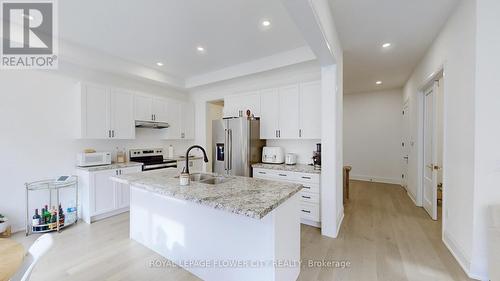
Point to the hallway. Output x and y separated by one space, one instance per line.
384 237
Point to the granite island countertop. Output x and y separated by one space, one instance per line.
250 197
300 168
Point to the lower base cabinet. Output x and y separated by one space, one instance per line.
100 197
310 211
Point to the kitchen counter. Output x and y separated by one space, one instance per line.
110 167
249 197
243 221
300 168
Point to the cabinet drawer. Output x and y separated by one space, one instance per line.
309 211
307 178
274 175
309 197
312 188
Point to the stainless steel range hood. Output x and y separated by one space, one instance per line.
151 124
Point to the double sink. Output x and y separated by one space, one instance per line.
207 178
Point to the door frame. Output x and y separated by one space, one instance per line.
439 74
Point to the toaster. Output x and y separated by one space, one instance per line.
273 155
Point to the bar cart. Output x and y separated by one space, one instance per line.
53 187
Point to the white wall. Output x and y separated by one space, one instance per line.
487 131
372 135
37 110
303 72
303 148
454 48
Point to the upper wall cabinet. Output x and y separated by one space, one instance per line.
291 112
178 114
310 110
105 113
237 105
148 108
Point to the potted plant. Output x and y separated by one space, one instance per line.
4 223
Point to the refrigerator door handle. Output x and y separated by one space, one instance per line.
226 148
230 164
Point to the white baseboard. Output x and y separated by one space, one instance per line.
375 179
461 258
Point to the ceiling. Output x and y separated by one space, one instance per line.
364 25
168 31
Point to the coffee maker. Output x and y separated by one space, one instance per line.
317 157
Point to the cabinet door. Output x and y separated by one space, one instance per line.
289 112
231 106
142 108
103 192
310 110
159 110
173 117
250 101
123 190
269 113
122 116
95 112
187 131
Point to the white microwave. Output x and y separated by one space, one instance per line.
93 159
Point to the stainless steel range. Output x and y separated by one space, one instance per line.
152 159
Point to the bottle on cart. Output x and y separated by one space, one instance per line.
36 221
46 218
61 215
53 219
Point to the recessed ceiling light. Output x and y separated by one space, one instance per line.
386 45
200 49
378 82
159 63
266 23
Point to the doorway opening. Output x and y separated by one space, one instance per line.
215 111
432 148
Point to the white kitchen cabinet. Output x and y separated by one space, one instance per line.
122 114
187 121
100 197
289 112
104 192
237 105
143 110
310 195
94 106
105 113
148 108
269 110
309 110
174 117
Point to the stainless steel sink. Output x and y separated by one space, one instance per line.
207 178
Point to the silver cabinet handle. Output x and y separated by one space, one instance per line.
116 172
262 173
226 147
306 197
307 178
306 187
306 211
300 133
113 133
282 175
109 133
276 132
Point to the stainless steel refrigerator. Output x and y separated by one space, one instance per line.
236 145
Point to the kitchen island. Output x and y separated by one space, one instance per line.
233 228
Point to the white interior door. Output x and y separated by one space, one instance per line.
430 152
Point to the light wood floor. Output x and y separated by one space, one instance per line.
384 237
